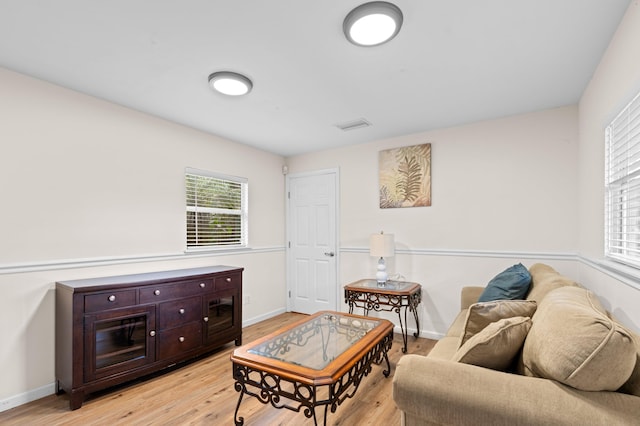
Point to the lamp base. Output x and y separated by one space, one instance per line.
381 275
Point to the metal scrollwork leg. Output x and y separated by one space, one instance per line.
414 309
414 301
386 346
402 329
239 421
387 371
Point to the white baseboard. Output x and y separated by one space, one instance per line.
426 334
23 398
255 320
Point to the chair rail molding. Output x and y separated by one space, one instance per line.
51 265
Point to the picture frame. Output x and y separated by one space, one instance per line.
405 176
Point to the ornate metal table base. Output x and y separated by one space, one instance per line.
293 395
363 294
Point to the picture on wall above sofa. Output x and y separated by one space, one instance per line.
405 176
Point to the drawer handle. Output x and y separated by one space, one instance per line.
181 310
229 279
181 339
157 292
112 298
201 285
152 333
206 319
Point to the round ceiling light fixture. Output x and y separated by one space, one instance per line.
230 83
373 23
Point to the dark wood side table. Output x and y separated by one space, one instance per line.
391 297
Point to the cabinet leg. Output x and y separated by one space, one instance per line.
239 341
76 399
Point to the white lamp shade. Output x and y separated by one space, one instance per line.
381 245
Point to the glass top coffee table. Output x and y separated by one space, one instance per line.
317 361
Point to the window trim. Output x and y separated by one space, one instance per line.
243 212
622 167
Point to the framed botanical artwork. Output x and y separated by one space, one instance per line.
405 176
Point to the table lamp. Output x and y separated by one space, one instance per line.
381 245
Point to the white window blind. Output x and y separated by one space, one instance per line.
622 186
217 212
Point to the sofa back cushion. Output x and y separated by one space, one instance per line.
574 341
545 279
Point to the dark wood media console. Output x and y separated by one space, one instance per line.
113 329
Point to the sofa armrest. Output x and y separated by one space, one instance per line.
469 296
436 391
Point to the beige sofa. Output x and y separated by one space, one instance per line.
534 390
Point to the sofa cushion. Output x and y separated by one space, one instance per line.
573 341
632 386
545 279
445 348
512 283
479 315
457 326
496 345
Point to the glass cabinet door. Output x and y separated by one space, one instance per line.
221 316
119 340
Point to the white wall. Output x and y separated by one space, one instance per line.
76 169
91 189
503 192
613 85
525 188
85 179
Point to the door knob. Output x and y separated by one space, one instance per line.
330 254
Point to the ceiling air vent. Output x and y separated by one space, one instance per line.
354 124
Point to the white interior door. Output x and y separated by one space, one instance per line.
312 258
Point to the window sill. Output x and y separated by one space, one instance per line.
625 273
216 250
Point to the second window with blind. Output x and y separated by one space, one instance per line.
216 210
622 186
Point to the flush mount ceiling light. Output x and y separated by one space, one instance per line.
230 83
373 23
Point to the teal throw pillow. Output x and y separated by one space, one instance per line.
512 284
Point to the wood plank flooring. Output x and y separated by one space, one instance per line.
202 393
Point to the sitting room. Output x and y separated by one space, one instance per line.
253 213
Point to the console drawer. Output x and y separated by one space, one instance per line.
109 300
181 311
177 290
228 281
176 341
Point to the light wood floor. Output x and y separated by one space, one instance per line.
202 393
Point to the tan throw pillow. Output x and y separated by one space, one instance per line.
573 341
481 314
496 345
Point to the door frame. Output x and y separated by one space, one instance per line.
336 173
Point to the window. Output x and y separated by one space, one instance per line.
622 186
217 213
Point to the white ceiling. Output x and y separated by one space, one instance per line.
453 62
